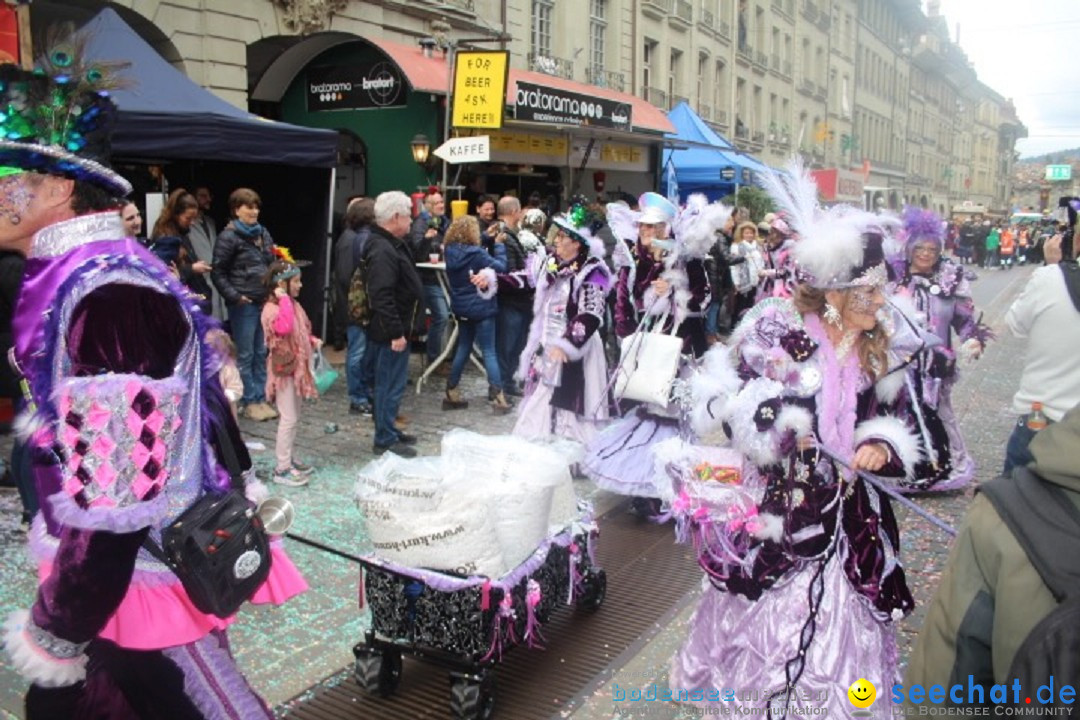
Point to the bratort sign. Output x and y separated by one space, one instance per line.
378 85
538 103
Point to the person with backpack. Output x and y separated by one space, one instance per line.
1008 607
359 374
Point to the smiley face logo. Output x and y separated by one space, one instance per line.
861 693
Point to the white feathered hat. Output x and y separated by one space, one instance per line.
839 246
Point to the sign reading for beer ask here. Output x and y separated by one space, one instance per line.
479 89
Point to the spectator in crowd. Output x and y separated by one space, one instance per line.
242 255
394 294
359 375
485 215
515 296
203 234
535 200
175 222
471 272
993 594
1047 316
133 221
425 240
982 230
965 244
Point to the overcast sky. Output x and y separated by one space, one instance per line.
1027 50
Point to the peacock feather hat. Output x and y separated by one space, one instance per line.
58 118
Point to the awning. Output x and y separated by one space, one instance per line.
699 154
429 74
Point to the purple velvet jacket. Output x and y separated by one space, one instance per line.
637 269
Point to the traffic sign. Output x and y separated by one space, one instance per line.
465 150
479 88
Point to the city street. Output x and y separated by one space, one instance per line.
287 651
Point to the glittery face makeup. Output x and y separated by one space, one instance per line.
16 194
860 310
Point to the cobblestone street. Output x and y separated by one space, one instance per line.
285 651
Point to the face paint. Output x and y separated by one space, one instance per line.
15 198
864 301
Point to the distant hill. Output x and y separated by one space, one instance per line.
1054 158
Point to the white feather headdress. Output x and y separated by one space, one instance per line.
696 226
832 246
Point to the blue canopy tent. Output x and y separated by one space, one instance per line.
166 117
700 158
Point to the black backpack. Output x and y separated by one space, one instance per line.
1047 525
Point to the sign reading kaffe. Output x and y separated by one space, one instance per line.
354 87
538 103
479 89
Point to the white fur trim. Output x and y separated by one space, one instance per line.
492 283
573 352
711 386
27 424
621 256
903 443
888 388
256 491
696 226
970 351
762 448
772 527
796 419
33 662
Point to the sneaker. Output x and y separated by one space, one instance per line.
270 410
364 409
302 468
405 451
406 438
290 478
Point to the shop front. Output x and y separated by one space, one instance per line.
837 185
559 137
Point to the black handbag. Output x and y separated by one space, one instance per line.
217 547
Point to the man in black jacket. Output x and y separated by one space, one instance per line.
394 293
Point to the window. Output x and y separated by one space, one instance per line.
597 33
719 91
702 79
646 67
674 86
541 28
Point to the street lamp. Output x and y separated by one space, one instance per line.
421 148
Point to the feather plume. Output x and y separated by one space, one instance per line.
830 242
622 221
696 226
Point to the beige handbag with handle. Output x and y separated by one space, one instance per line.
648 365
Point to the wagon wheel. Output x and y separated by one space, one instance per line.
472 697
593 590
377 672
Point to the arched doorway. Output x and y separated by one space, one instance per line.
924 203
351 177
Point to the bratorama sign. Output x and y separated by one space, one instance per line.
537 103
355 86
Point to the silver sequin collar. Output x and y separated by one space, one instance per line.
62 237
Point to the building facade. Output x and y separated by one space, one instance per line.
872 91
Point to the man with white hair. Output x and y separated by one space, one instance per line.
394 295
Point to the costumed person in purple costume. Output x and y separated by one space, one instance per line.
940 293
658 281
124 420
803 588
563 362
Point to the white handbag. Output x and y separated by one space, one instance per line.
648 365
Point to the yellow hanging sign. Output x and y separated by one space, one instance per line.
479 89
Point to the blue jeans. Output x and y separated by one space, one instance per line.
1017 453
440 313
391 374
247 333
483 332
511 334
359 373
712 317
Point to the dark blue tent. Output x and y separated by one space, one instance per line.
703 155
164 115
